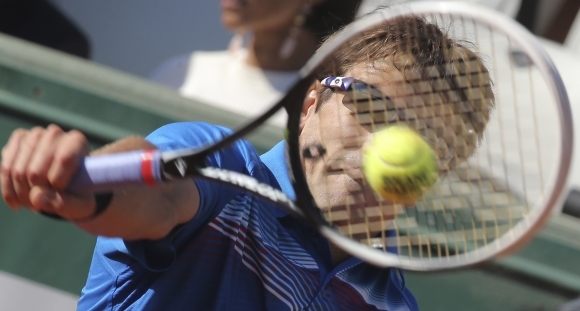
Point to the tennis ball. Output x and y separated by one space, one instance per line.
399 164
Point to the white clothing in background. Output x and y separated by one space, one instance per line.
224 80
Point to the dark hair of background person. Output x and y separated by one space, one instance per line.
40 22
331 16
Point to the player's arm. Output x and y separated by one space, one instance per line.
38 164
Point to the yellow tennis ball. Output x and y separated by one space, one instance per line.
399 164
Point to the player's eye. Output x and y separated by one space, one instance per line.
313 151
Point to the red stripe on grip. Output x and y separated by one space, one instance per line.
147 167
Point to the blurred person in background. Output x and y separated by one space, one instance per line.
273 40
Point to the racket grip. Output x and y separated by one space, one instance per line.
116 171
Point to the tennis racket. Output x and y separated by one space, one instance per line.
474 84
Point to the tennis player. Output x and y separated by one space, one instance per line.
197 245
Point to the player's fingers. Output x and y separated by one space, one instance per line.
41 160
72 147
9 153
65 205
19 172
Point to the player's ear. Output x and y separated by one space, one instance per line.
310 103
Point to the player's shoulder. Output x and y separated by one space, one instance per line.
240 155
187 135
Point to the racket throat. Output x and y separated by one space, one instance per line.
181 163
251 185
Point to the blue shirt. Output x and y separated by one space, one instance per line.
237 253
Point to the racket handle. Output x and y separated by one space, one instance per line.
115 171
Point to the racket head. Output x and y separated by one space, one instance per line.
501 172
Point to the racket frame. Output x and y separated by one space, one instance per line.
521 232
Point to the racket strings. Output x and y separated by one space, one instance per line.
461 92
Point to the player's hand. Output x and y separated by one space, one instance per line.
37 166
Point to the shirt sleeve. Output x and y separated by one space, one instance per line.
160 254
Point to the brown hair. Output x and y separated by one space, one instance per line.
458 100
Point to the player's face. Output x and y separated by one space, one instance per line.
335 178
239 15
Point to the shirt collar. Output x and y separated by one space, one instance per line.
275 160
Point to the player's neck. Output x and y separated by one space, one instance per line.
264 50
